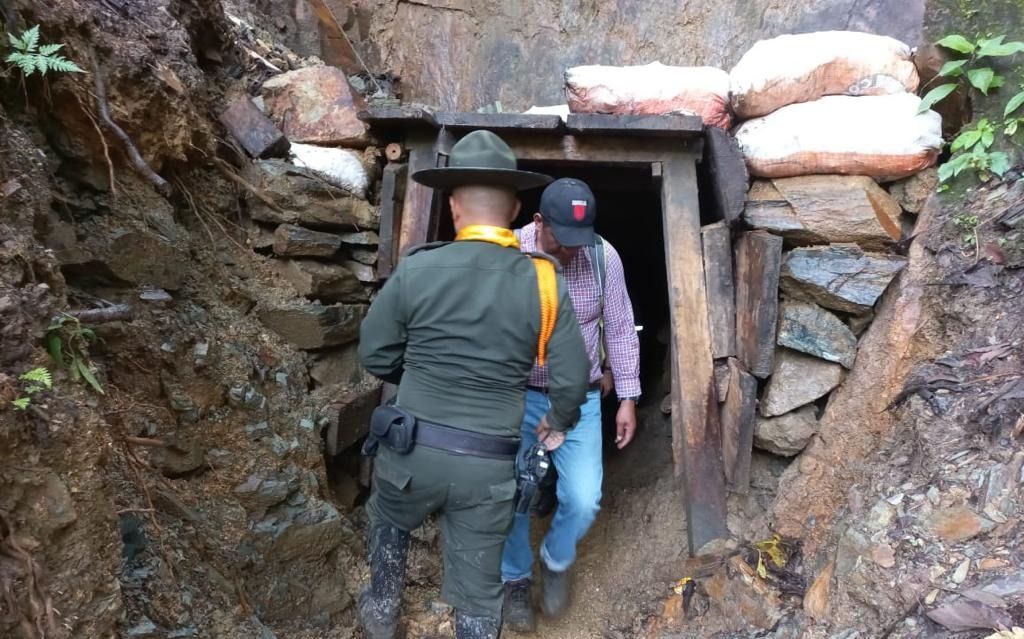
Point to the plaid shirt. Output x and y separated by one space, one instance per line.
621 341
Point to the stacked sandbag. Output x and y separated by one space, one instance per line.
879 136
652 89
791 69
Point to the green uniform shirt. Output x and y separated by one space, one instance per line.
458 326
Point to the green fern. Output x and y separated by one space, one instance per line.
39 376
30 57
21 403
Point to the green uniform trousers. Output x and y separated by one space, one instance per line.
474 499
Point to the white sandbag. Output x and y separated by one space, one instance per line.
880 136
342 168
561 110
799 68
652 89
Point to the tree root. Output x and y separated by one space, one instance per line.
41 618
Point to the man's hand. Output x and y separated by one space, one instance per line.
607 383
625 423
551 439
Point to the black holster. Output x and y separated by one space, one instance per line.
532 469
393 428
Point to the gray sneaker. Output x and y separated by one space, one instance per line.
517 612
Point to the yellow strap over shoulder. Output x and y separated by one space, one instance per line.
547 285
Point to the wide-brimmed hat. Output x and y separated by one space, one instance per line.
481 158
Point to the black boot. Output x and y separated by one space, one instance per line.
470 627
379 604
518 610
555 593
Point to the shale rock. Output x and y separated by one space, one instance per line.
810 329
363 272
787 434
315 105
322 281
911 193
338 367
819 209
841 277
312 326
798 380
143 258
300 197
295 241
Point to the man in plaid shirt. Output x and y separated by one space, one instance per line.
564 229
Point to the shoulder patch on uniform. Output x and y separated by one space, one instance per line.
558 265
419 248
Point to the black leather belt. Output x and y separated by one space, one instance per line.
544 389
464 442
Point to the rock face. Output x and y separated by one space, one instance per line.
143 258
338 367
798 380
787 434
819 209
325 282
295 241
810 329
841 277
315 106
911 193
312 326
299 197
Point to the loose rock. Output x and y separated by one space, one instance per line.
788 434
325 282
254 131
338 367
363 272
300 197
819 209
810 329
956 524
315 106
911 193
841 277
295 241
311 326
143 258
361 238
797 380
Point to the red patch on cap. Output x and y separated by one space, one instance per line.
579 209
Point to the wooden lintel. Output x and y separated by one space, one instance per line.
500 122
721 289
728 172
405 116
758 263
392 192
609 150
738 426
659 126
696 431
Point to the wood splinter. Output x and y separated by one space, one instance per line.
394 152
115 313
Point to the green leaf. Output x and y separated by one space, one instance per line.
953 68
987 138
762 571
999 163
88 375
965 140
39 376
54 346
981 78
996 48
14 40
945 172
62 64
21 403
88 334
1011 127
935 95
956 43
1014 104
30 39
50 49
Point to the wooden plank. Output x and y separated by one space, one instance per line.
417 204
717 244
609 150
658 126
404 116
728 172
499 122
392 190
758 262
443 148
738 426
696 433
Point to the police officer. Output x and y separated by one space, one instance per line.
458 327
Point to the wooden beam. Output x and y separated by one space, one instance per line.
758 262
696 432
612 149
417 204
659 126
721 289
405 116
392 191
738 426
500 122
728 172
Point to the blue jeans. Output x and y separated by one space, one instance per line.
578 461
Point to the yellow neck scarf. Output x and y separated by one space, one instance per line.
484 233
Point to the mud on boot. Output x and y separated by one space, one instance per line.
473 627
379 604
554 592
517 612
377 621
